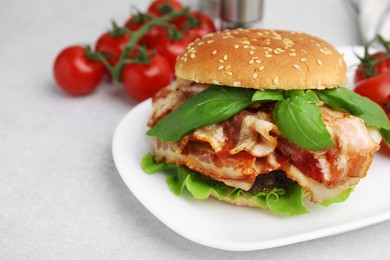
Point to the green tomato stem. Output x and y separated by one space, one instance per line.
135 36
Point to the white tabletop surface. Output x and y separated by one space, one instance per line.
61 196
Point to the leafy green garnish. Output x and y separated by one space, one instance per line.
339 198
386 135
288 201
150 167
279 201
344 99
301 123
267 95
296 113
210 106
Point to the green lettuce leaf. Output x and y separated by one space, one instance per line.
288 201
279 201
339 198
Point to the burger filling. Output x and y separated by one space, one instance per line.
248 152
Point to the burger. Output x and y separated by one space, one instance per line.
261 118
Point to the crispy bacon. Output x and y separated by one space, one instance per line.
237 150
170 97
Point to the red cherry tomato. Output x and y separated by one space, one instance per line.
168 48
135 22
376 88
75 73
206 24
111 45
382 67
161 7
142 81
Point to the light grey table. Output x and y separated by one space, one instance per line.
60 194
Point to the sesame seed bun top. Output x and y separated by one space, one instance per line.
262 59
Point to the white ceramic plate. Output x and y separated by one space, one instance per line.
224 226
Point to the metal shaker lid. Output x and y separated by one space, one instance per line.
241 11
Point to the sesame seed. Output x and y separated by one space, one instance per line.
251 52
319 62
292 54
246 42
225 57
215 81
303 59
192 55
210 41
258 61
254 76
296 66
200 43
261 68
251 61
236 83
276 80
220 67
252 47
245 46
228 67
276 51
236 46
221 61
268 55
214 52
229 73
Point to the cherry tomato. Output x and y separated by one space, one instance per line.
376 88
111 45
135 22
75 73
168 48
382 67
161 7
206 24
142 81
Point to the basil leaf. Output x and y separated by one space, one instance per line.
210 106
309 95
344 99
385 135
267 95
301 123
